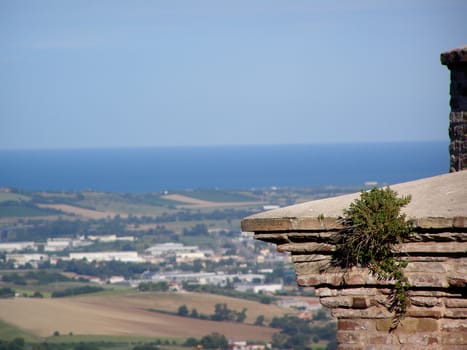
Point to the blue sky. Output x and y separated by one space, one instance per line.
80 74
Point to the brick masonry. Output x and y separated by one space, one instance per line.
437 272
456 61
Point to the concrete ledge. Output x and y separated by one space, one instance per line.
437 202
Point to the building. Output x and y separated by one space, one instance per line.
57 244
23 259
107 256
165 249
17 246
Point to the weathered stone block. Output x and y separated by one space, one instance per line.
354 325
349 337
408 325
456 313
435 267
420 279
425 312
379 340
311 257
374 312
455 338
456 303
427 325
360 303
310 267
418 339
451 325
425 301
335 302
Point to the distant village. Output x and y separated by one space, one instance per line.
32 254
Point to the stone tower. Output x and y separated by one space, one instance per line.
456 61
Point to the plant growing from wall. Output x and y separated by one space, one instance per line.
373 227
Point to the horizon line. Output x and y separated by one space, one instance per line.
84 148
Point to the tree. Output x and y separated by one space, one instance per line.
223 313
183 311
192 342
241 315
214 341
15 344
194 313
321 315
259 320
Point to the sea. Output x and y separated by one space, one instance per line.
222 167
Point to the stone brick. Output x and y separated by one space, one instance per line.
425 301
455 313
455 338
336 302
427 325
425 312
349 337
371 312
423 347
427 280
360 303
326 292
353 325
383 325
418 339
310 267
452 325
434 267
461 303
381 339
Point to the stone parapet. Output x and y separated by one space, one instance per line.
436 256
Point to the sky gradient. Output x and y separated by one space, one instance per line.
86 74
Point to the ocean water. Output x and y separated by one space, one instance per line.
224 167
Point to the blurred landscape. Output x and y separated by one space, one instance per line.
169 269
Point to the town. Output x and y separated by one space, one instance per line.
183 246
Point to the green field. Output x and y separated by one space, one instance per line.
24 211
219 196
8 196
9 332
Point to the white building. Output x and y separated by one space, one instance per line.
131 256
57 244
164 249
23 259
17 246
111 238
259 288
189 257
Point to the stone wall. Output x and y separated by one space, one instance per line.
437 272
456 61
437 267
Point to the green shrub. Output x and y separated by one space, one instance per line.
373 227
